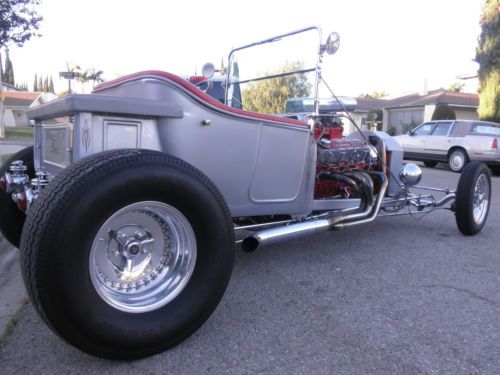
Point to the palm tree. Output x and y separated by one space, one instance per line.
94 76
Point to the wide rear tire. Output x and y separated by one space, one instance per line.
12 218
127 253
473 198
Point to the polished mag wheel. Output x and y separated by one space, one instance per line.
142 257
127 252
481 199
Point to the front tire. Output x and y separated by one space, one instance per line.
473 198
457 160
11 217
127 252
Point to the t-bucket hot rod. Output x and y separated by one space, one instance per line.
127 209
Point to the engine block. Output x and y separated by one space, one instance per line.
339 155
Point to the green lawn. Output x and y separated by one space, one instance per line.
19 133
4 158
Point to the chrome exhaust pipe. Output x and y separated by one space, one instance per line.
274 235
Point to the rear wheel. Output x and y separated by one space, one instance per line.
430 164
12 218
473 198
457 160
127 253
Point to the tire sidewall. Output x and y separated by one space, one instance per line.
11 217
465 197
79 314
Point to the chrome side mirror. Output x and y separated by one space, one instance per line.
411 174
332 43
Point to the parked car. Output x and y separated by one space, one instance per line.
127 208
455 142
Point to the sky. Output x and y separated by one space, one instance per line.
386 45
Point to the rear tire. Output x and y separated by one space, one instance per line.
144 207
430 164
457 160
12 218
473 198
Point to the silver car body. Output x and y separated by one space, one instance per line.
435 140
261 165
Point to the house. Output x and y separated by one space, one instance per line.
360 114
403 113
17 103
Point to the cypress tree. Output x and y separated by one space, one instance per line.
40 83
51 85
46 84
35 83
487 55
9 69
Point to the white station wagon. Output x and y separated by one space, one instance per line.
455 142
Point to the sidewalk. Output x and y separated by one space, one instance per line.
12 293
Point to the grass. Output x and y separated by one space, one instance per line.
9 329
19 133
4 158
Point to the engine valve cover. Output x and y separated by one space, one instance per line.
342 152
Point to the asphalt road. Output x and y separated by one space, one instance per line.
397 296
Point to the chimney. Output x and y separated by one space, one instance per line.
425 89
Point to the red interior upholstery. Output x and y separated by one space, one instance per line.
200 95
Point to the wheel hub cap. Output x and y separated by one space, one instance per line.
142 257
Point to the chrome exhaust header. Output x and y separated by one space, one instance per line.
301 229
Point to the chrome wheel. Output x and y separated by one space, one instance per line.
457 160
481 199
142 257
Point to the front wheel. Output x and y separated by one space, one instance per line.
473 198
127 253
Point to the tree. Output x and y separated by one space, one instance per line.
51 85
443 112
18 21
456 87
488 57
376 116
270 95
94 76
40 83
374 95
8 73
46 84
35 83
